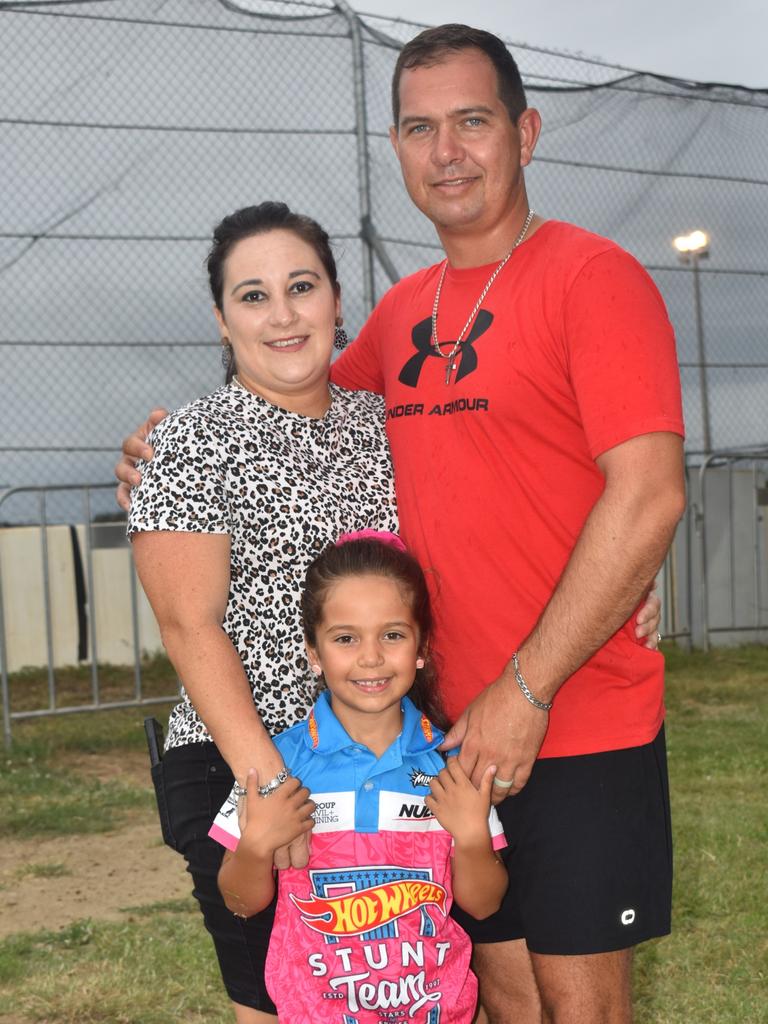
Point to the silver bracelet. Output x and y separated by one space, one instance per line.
524 688
282 776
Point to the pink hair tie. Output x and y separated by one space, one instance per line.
383 536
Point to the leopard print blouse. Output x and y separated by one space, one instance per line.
283 486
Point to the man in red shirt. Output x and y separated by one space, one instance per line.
534 416
533 410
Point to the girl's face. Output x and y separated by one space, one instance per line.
367 644
278 311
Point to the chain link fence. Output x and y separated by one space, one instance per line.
130 127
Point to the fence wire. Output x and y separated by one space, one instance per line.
128 128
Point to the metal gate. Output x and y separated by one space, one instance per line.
62 583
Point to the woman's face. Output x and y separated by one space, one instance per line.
279 313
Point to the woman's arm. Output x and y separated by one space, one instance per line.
246 876
479 875
186 579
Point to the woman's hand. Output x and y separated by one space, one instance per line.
461 809
135 447
268 824
648 619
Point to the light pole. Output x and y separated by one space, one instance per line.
691 249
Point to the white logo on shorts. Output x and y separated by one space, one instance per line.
627 916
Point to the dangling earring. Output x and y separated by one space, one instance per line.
226 353
340 337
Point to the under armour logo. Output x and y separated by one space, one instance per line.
627 916
421 335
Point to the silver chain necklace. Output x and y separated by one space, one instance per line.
451 365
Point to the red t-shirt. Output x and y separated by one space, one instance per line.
571 354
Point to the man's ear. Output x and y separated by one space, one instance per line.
529 129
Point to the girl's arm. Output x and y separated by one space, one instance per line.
479 875
246 876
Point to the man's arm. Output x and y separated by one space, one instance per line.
621 547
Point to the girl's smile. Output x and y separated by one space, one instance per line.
368 648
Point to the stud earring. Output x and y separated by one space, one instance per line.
316 669
419 663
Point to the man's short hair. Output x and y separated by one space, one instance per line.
433 45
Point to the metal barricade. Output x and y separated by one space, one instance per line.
732 590
87 537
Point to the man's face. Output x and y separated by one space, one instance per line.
460 153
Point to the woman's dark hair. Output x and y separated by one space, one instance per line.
368 556
435 44
257 220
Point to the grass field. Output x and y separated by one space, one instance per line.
156 966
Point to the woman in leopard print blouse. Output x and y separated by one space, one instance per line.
247 485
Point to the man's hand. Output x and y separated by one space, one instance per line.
648 619
499 728
278 820
461 809
135 447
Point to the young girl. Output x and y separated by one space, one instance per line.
363 934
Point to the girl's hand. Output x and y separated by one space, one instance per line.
267 756
269 823
461 809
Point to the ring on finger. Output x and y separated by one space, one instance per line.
503 783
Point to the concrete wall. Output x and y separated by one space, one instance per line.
108 607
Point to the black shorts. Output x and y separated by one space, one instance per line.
589 855
196 782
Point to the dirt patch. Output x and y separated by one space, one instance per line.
129 766
49 883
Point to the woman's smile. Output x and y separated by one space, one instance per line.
287 343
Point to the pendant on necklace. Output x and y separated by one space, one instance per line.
450 367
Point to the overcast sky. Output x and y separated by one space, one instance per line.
704 40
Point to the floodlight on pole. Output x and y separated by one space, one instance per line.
697 242
690 249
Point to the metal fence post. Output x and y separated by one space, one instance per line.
361 135
4 669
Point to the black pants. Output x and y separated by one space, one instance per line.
196 781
